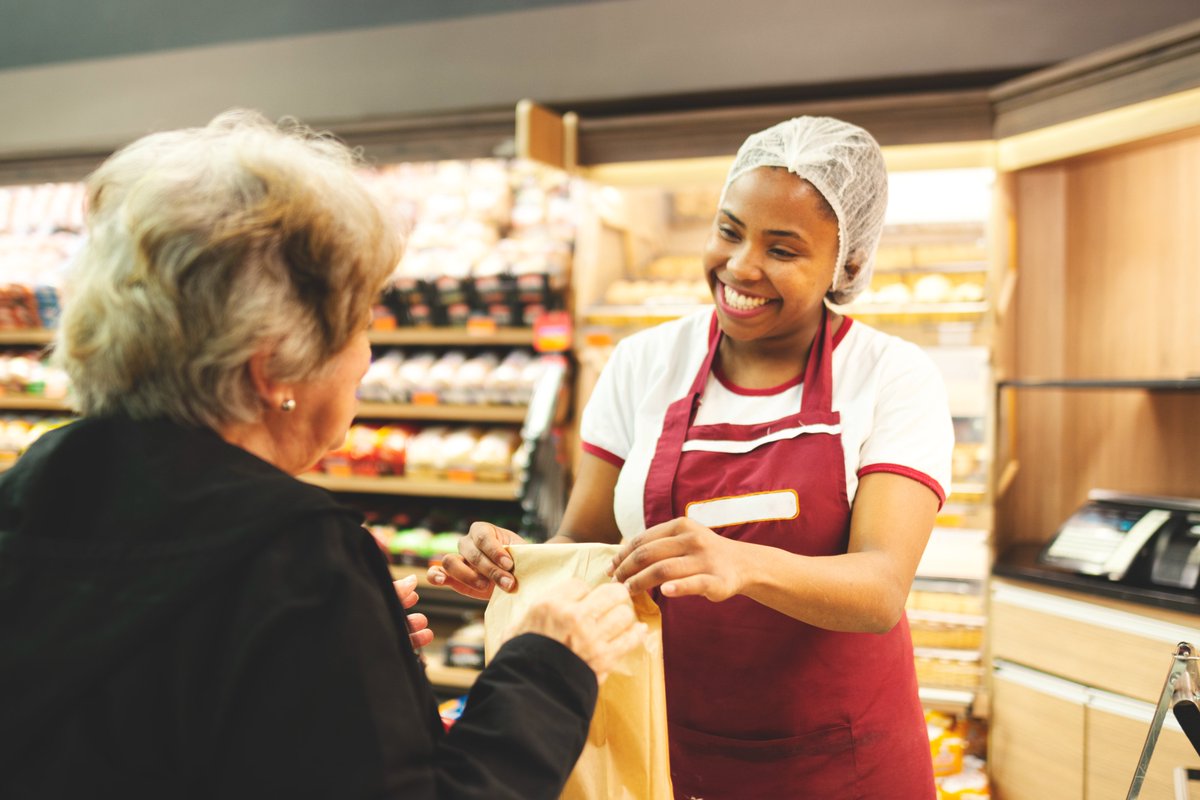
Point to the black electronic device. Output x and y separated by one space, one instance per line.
1136 540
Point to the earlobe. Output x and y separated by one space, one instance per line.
271 393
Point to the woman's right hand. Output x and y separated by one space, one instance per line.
598 625
481 564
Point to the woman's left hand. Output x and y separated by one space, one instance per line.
684 558
418 624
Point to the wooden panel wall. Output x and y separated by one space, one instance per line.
1108 260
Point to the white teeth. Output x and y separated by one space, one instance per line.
742 302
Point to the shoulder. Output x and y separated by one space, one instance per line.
868 351
663 342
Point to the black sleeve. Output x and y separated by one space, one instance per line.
324 697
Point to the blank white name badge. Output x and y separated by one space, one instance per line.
758 507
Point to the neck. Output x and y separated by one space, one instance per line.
767 362
254 438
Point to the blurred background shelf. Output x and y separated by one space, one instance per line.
452 337
440 411
16 403
26 336
478 490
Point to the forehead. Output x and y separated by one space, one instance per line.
776 195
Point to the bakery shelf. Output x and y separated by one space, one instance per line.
931 310
953 701
947 268
453 337
477 490
441 411
28 336
1188 384
19 403
444 677
649 314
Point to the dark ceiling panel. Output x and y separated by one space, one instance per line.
51 31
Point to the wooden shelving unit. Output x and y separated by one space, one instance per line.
478 490
19 403
442 412
31 336
453 337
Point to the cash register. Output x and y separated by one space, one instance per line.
1132 540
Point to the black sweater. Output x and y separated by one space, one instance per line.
181 619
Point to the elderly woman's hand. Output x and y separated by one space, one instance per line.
481 564
418 624
684 558
598 625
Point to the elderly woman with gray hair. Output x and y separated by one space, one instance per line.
179 616
774 477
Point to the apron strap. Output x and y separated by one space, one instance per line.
817 396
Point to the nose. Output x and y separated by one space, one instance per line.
743 265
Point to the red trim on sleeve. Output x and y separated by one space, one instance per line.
908 472
603 455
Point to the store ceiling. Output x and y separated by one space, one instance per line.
79 76
52 31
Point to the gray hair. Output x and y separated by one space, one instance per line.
207 245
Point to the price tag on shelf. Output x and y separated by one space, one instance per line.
425 399
481 326
552 332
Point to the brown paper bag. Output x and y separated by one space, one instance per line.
625 757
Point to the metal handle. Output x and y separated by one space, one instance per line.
1180 693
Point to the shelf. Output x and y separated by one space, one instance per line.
453 337
30 336
949 268
649 314
443 677
457 413
19 403
931 310
1190 384
954 701
479 490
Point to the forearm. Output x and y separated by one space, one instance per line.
859 592
525 724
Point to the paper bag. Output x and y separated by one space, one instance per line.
626 755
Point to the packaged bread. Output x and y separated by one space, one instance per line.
492 457
379 382
424 458
411 374
442 375
501 386
467 387
458 449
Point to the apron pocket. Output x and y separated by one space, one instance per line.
817 764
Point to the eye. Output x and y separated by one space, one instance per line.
727 233
783 254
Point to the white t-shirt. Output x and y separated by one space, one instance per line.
894 412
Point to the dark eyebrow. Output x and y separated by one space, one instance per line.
788 234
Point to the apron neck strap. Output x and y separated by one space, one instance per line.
818 373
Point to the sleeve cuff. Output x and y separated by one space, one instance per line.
552 660
909 472
603 455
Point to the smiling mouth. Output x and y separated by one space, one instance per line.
741 302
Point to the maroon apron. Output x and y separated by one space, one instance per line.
760 705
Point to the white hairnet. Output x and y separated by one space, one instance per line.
844 163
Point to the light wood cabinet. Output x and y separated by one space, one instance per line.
1114 732
1036 744
1074 685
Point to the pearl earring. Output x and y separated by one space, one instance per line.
288 405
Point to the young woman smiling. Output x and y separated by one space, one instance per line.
773 470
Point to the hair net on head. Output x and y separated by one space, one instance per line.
844 163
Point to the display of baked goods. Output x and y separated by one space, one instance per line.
453 377
438 452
